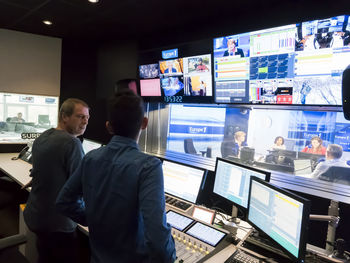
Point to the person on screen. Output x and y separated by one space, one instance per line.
202 88
232 49
278 144
232 147
200 67
18 118
334 153
122 201
170 68
315 147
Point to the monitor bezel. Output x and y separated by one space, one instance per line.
191 166
267 178
304 222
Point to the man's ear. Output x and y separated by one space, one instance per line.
144 123
109 127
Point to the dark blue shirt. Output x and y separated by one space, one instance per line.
123 206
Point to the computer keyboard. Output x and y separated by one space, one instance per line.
177 203
241 257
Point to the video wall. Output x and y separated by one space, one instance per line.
298 64
187 79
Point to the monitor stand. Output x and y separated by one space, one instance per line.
234 212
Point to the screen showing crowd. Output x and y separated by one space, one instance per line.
295 64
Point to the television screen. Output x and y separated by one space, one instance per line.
297 64
150 87
182 180
149 71
182 80
173 67
232 181
281 215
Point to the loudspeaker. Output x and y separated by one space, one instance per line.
346 92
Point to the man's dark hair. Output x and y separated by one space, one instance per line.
122 84
125 113
68 106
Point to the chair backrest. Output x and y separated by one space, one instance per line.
226 148
289 143
209 152
189 146
337 174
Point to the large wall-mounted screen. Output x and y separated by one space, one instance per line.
299 64
187 79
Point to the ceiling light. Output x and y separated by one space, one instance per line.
93 1
47 22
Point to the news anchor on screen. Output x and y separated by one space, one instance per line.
315 147
232 147
232 49
170 68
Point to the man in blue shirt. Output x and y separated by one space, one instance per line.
123 193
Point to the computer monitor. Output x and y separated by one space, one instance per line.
281 215
182 180
287 153
232 181
89 145
310 156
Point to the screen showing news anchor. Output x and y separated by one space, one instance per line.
173 67
298 64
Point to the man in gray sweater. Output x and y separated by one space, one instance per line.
57 152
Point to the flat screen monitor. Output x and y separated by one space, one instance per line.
310 156
150 88
182 180
149 71
181 80
302 167
232 181
206 233
178 221
288 153
89 145
281 215
299 64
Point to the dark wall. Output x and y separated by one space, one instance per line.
89 72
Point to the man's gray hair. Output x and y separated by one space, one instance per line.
335 150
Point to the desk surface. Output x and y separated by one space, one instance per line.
18 170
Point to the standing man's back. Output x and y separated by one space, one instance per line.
123 193
56 154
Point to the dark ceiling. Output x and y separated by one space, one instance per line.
159 19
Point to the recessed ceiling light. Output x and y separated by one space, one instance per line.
47 22
93 1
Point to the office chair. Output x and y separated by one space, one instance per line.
226 148
189 148
336 174
209 152
7 243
